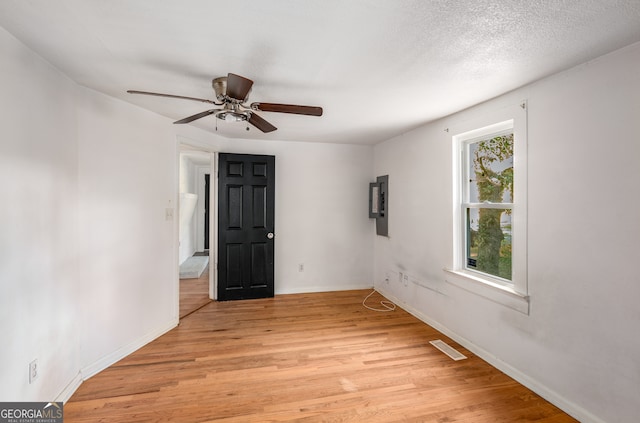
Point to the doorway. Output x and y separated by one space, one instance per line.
194 257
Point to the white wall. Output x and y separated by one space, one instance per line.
187 175
321 212
187 235
579 345
128 256
89 261
39 299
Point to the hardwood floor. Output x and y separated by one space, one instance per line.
194 293
307 358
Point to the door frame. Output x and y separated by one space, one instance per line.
203 147
213 227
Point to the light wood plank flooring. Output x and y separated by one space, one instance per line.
306 358
194 293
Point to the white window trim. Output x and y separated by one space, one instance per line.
513 294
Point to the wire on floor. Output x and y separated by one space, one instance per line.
388 305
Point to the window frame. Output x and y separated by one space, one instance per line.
465 201
514 293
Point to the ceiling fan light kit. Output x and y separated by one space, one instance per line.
232 91
232 116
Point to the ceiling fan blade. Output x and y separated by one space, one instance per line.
238 87
203 100
261 124
288 108
196 116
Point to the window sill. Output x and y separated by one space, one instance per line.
488 289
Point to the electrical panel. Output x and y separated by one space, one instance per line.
379 204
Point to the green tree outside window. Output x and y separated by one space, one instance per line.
489 227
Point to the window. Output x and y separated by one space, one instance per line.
490 229
487 188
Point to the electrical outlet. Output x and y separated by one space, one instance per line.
301 267
405 279
33 371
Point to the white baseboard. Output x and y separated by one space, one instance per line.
321 288
112 358
124 351
550 395
70 389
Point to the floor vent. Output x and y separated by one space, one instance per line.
448 350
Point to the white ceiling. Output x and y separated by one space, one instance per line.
377 67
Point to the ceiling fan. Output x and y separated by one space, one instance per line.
232 91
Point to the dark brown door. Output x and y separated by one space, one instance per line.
245 226
207 180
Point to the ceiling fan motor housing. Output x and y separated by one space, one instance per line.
220 87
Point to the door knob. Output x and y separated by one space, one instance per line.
270 235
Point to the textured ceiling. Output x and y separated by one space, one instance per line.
377 67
